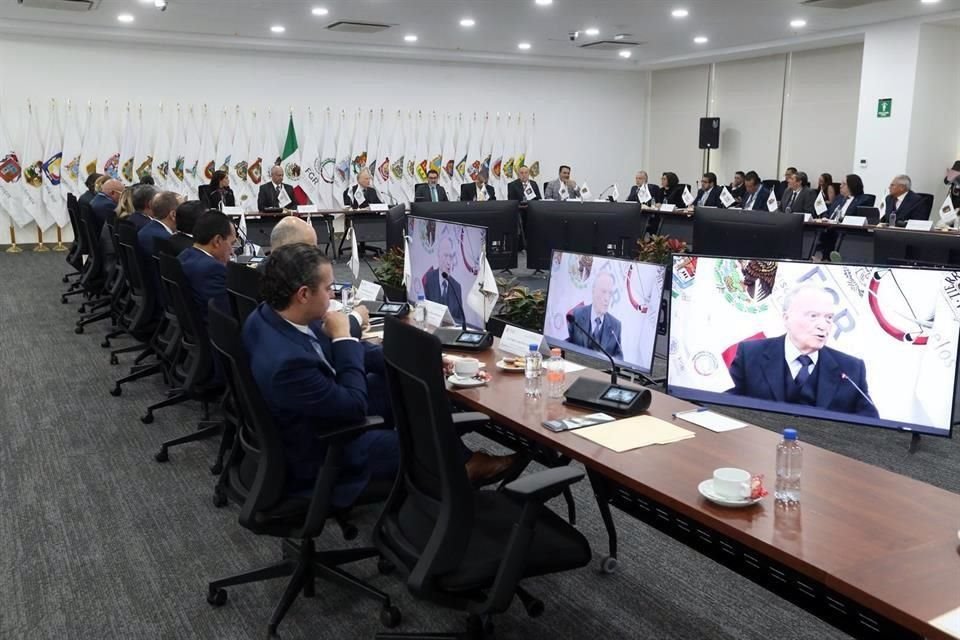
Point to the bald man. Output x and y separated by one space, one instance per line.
104 204
292 230
269 197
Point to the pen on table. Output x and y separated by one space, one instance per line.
697 410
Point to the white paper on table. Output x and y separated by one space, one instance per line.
949 622
667 208
572 367
854 221
379 207
807 217
516 341
368 291
232 211
710 420
437 313
307 208
919 225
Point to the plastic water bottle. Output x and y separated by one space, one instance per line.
346 297
556 374
789 463
531 370
420 313
892 220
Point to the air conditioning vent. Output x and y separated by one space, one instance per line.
60 5
838 4
348 26
610 45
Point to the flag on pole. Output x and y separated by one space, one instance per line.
11 181
254 156
374 143
585 193
143 157
208 152
291 163
486 149
354 252
128 147
161 155
192 172
531 159
33 173
407 268
726 198
688 197
72 146
108 154
496 162
435 145
615 194
772 204
328 163
310 178
643 194
563 192
449 155
509 169
90 146
246 196
424 132
820 204
948 213
269 148
483 297
359 151
53 159
224 153
462 152
520 159
343 173
475 153
882 207
381 174
397 159
412 139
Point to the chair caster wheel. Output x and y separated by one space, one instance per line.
534 608
216 469
162 455
390 616
64 279
609 565
350 532
385 567
82 308
63 299
217 597
272 633
105 344
78 330
219 498
116 391
147 419
114 360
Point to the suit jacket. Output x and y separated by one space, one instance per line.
655 192
267 198
759 371
609 331
551 190
207 278
146 238
86 197
674 197
468 192
738 192
803 203
225 196
371 195
834 207
103 209
422 194
431 291
515 190
179 242
308 394
910 209
759 201
139 219
713 199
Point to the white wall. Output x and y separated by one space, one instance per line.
593 120
678 99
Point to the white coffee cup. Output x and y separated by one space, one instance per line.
466 367
731 484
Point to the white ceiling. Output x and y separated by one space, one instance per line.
734 27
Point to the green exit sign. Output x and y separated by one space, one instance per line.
884 107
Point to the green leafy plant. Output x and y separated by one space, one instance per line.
520 306
390 268
658 249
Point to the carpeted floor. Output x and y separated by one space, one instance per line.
100 541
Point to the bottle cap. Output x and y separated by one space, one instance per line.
789 434
555 352
534 347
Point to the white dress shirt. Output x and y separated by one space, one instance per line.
791 353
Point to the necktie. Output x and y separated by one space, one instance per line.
804 373
893 207
315 342
443 291
749 203
433 193
278 193
596 330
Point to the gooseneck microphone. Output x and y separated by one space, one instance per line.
593 341
844 376
463 315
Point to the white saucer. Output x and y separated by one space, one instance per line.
465 383
706 490
501 364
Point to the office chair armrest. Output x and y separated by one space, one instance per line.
544 485
469 420
345 432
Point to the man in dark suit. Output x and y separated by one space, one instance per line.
91 191
141 199
596 319
737 188
469 191
104 204
798 198
523 189
269 195
903 202
362 194
446 291
163 224
781 187
430 191
187 215
205 263
755 195
315 376
639 180
798 367
709 193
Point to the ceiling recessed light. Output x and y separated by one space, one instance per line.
278 28
679 13
524 46
625 53
467 22
319 11
544 3
592 31
701 40
929 1
125 17
410 38
798 24
620 36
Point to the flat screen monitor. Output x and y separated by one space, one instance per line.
500 217
445 261
899 247
870 345
623 295
754 234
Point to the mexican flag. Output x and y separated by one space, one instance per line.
290 161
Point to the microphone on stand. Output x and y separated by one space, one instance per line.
600 197
844 376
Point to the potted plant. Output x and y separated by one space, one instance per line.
389 272
659 249
518 306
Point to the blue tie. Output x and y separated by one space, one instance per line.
804 374
433 193
315 342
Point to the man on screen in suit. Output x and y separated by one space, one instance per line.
447 290
431 191
903 202
597 319
709 193
798 367
798 198
754 193
362 194
551 191
269 196
517 190
472 191
205 263
639 180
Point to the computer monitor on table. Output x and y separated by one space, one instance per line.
446 265
874 346
755 234
929 249
617 301
499 217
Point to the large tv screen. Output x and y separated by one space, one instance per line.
445 262
617 301
863 344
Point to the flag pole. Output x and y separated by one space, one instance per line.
13 248
40 248
60 248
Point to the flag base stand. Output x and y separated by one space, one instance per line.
60 248
13 248
40 248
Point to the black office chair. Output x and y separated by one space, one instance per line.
258 478
92 279
927 206
74 256
113 297
243 290
456 546
870 201
203 195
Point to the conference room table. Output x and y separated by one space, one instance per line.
872 552
370 226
